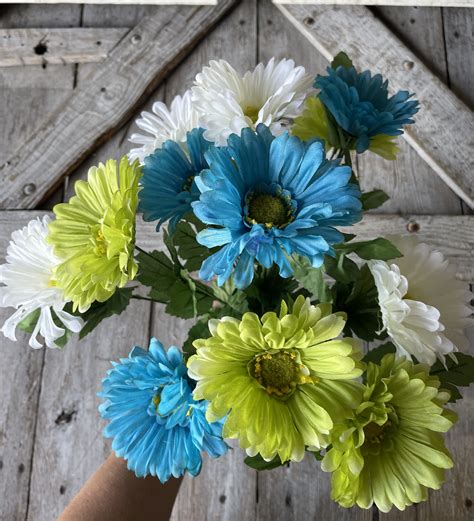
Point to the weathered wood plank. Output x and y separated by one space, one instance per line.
20 380
20 47
21 366
458 32
94 110
442 126
397 3
69 431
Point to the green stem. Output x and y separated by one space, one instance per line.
139 297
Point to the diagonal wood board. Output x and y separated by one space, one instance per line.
442 137
110 95
444 132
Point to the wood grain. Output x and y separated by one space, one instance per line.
444 123
102 104
20 47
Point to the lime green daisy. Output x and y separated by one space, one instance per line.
281 380
94 234
392 451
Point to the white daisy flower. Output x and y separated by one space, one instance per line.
29 286
271 94
164 124
425 309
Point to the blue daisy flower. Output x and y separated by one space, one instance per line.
265 198
168 179
361 105
155 423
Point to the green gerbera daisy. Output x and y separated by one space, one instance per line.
281 380
391 451
95 234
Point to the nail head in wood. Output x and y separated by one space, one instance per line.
309 21
408 65
413 227
136 38
29 189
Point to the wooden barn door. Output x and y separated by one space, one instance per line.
50 439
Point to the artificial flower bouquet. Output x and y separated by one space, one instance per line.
249 179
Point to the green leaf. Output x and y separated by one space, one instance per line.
359 300
460 373
341 268
258 463
233 298
375 355
373 199
379 248
116 304
341 59
172 285
193 253
268 289
29 322
199 330
311 278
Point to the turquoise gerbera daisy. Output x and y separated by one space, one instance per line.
168 179
265 198
156 424
360 104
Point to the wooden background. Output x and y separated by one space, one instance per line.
50 432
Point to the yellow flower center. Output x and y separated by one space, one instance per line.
251 112
375 433
156 400
100 243
267 209
279 373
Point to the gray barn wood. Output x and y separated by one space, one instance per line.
57 46
226 489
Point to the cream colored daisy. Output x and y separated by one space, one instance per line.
271 94
425 309
163 123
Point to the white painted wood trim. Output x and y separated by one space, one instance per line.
444 130
123 2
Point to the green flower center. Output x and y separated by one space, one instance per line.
375 433
251 112
279 373
267 209
188 183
